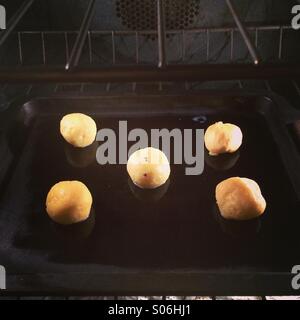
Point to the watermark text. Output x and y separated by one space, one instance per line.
296 18
2 278
2 18
182 146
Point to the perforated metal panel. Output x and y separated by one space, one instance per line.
142 15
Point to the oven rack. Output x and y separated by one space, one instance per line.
179 55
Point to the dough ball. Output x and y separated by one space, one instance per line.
69 202
78 129
240 199
223 138
149 168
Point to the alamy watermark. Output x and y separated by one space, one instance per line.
2 278
188 146
296 278
296 18
2 18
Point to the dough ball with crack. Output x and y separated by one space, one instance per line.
240 199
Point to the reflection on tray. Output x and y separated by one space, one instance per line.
149 196
237 229
81 157
76 232
222 162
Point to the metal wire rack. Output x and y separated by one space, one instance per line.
231 53
114 44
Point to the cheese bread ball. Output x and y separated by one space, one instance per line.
223 138
149 168
78 129
69 202
240 199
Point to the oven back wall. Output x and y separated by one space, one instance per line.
67 14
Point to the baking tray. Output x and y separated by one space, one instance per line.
170 242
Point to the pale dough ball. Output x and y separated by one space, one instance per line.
223 138
69 202
240 199
149 168
78 129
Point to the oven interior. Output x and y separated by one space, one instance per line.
54 40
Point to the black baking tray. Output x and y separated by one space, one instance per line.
169 242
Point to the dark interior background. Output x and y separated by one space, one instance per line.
67 14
